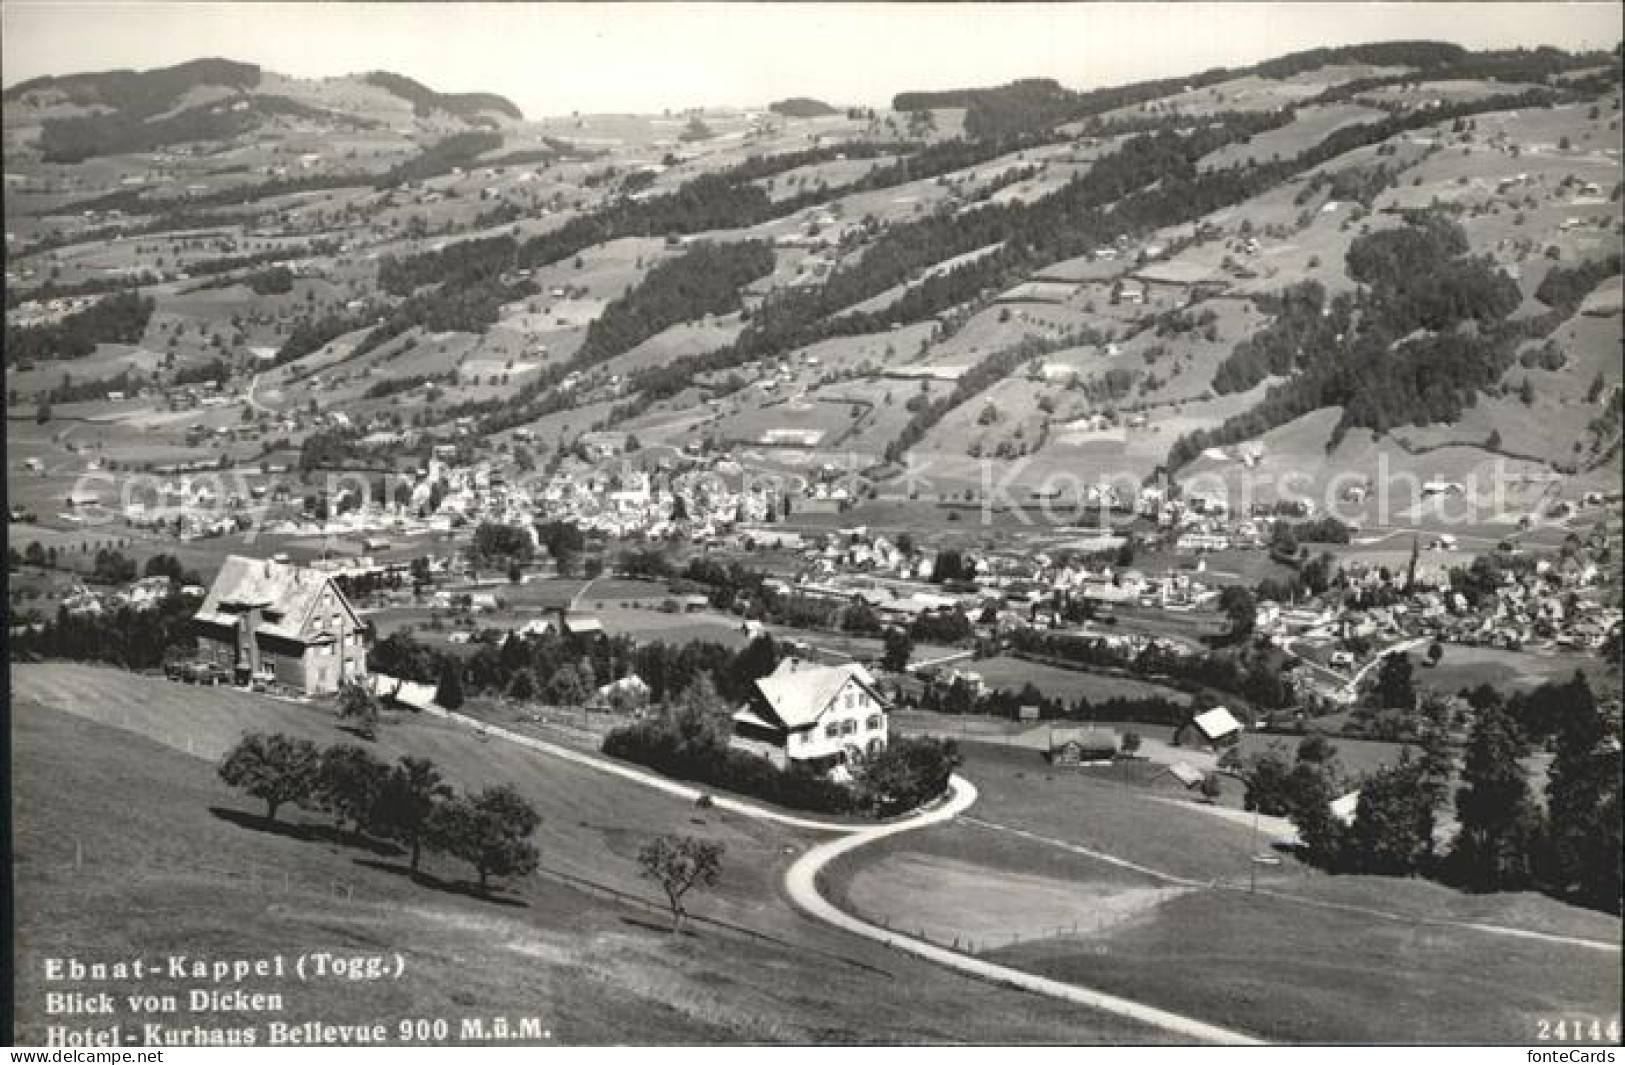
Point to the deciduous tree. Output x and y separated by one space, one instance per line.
491 831
679 864
408 796
273 768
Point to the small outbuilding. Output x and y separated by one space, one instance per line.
1218 727
1083 746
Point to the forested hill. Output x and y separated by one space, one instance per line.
1041 103
1401 248
470 105
94 115
138 93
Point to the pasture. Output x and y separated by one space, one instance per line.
1301 973
1468 667
1009 673
1291 963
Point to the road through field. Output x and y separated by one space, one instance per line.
801 882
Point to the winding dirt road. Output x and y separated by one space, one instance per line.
801 882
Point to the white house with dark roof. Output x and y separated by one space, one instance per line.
816 716
266 620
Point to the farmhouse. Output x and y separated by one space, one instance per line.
815 716
269 621
1082 746
582 625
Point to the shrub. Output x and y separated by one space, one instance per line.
705 758
908 773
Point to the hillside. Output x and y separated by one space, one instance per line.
1033 280
79 117
1065 413
128 822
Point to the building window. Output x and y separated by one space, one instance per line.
832 730
848 727
874 722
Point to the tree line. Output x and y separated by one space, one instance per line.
1363 352
705 279
1259 679
408 802
124 637
1563 840
120 318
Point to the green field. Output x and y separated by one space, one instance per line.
1467 667
1007 673
1289 965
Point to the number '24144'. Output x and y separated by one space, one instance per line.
1577 1029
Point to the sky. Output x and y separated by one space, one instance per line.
555 58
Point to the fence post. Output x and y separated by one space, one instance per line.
78 855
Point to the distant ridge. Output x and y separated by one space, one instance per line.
140 92
424 100
122 111
1042 103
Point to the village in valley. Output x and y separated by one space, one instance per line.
770 574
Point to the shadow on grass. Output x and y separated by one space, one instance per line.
305 832
465 888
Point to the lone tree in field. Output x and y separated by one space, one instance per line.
679 864
349 784
449 693
408 797
359 706
274 768
491 831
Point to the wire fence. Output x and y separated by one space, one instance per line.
985 941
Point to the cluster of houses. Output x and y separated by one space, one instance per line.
269 623
143 594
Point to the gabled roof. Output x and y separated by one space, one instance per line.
1186 774
798 693
287 594
1089 738
405 692
1345 805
